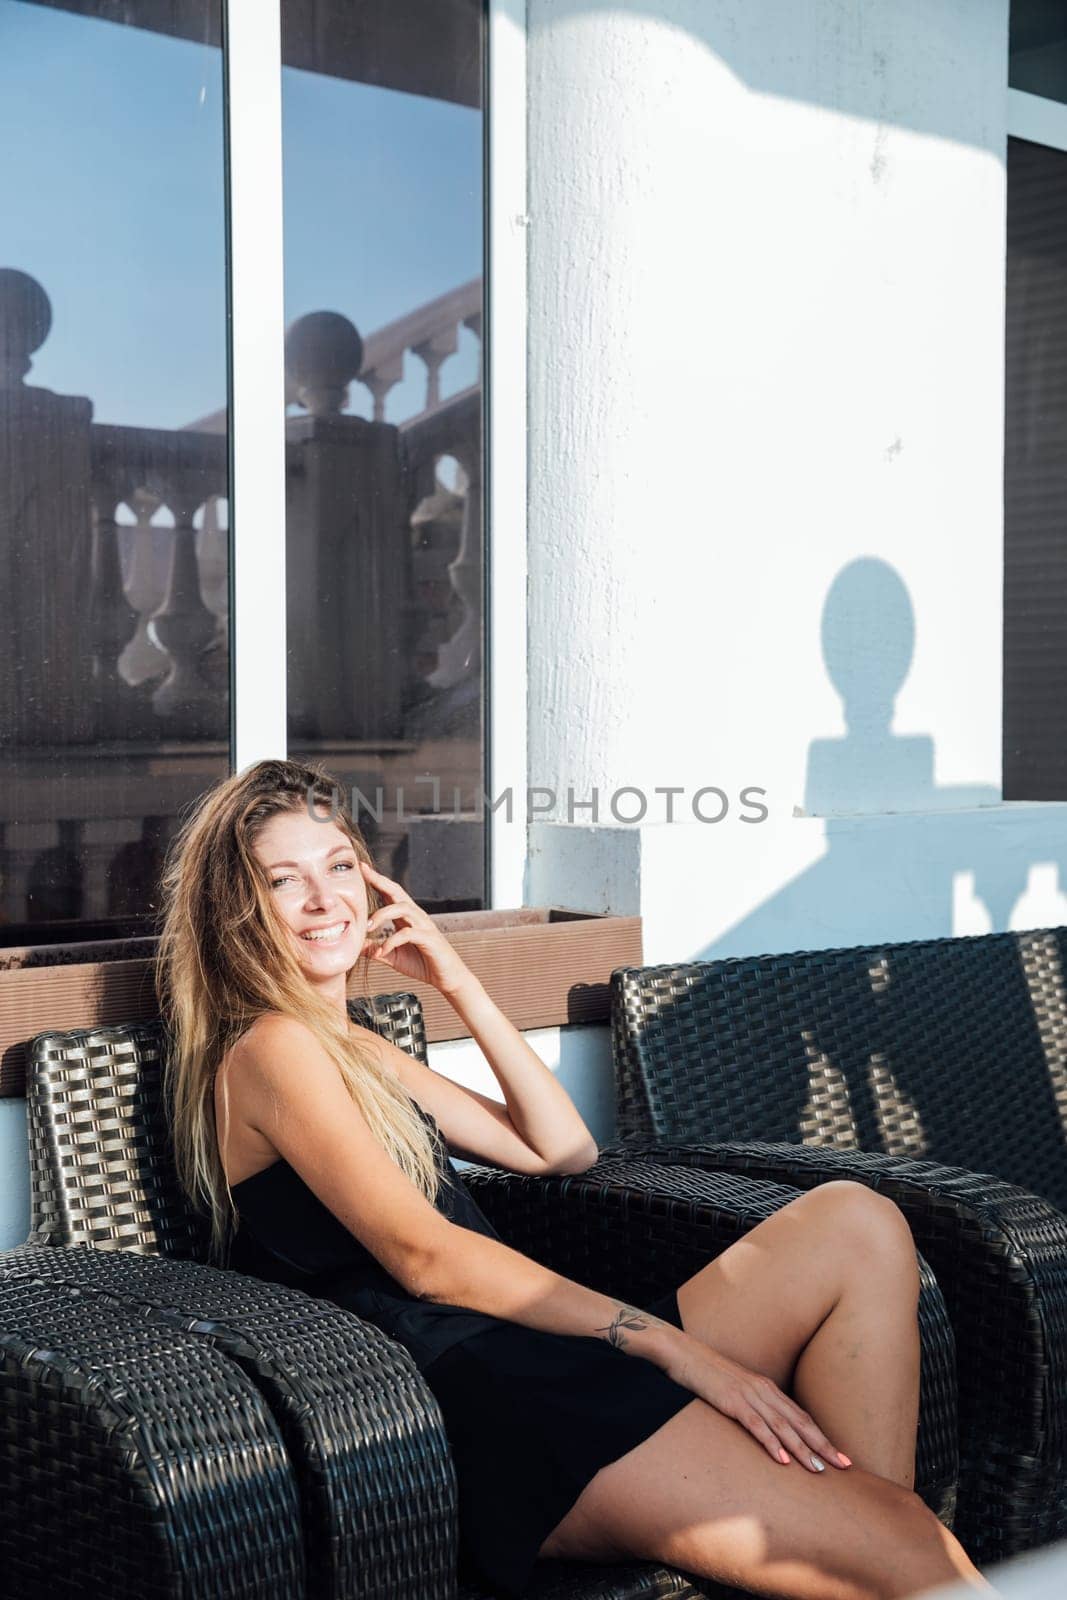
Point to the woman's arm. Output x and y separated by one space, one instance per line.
475 1127
539 1109
285 1085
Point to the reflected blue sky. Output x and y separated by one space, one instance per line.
112 196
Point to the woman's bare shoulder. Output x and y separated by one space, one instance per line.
271 1057
271 1031
243 1147
275 1040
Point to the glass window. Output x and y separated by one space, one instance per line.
383 148
1037 60
114 700
1035 477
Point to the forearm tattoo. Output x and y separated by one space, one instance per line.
628 1319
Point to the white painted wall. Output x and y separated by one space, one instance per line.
579 1056
14 1174
766 269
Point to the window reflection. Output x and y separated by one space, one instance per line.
382 122
1038 48
114 539
113 529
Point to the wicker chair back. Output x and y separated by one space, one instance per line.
951 1049
101 1162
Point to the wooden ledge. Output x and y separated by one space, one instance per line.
543 967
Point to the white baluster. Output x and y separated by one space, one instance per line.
434 352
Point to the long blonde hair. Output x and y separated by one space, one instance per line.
224 959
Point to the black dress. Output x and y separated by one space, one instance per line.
530 1416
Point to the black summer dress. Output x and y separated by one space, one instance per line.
530 1416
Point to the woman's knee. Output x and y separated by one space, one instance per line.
886 1542
869 1222
914 1549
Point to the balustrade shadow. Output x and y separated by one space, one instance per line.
860 1028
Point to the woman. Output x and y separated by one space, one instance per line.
691 1432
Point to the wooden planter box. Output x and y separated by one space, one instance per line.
542 966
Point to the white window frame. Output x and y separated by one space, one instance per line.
257 413
253 57
505 450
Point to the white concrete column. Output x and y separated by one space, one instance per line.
766 254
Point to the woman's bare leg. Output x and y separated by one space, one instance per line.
822 1298
703 1495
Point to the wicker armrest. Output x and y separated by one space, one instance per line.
363 1432
1000 1257
636 1230
134 1459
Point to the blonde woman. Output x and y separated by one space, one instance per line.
689 1432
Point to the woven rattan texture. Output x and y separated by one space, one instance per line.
952 1049
134 1460
1000 1257
952 1046
397 1017
638 1580
363 1432
636 1230
101 1168
101 1162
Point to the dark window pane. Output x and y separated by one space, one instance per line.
114 709
382 122
1037 59
1035 477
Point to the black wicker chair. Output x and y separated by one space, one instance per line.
133 1459
372 1480
919 1069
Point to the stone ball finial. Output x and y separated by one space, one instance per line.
323 353
25 320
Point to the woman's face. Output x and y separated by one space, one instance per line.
318 888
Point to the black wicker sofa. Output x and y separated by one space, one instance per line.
935 1071
169 1428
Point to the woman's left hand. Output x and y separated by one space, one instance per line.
416 948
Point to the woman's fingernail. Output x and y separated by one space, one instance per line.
820 1466
841 1456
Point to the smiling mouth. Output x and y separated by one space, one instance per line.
328 935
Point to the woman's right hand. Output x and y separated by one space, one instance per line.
782 1427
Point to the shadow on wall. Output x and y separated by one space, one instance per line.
864 60
927 860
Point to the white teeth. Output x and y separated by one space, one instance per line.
327 936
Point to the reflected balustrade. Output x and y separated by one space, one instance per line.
114 672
